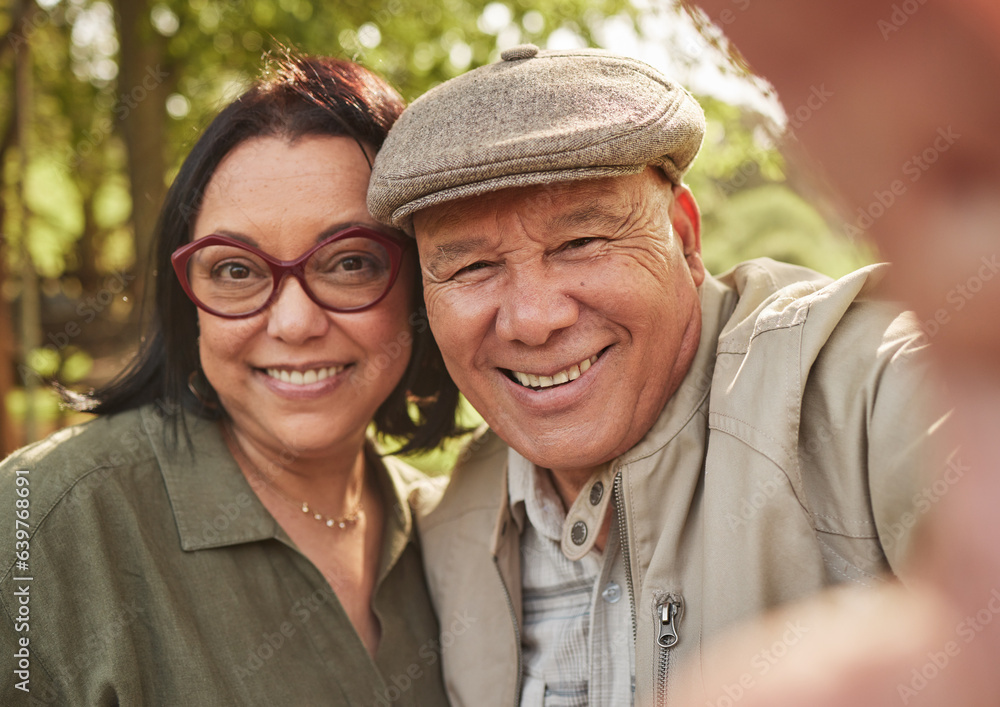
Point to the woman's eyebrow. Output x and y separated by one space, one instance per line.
338 227
236 237
323 235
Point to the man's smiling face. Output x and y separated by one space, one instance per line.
567 314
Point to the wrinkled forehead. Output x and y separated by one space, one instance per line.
603 202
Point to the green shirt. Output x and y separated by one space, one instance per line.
156 577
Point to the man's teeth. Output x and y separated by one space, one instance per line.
530 380
303 377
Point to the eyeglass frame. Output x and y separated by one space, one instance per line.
280 269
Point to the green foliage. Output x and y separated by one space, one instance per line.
112 203
57 215
45 362
772 220
76 366
749 211
76 187
442 459
45 403
215 47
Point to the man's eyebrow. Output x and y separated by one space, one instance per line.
447 253
593 215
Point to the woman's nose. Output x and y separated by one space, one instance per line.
293 317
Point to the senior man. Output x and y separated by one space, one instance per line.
670 452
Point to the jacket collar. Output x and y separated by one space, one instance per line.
397 490
717 304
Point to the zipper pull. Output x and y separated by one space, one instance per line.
667 636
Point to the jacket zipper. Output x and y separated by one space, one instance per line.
517 632
668 611
623 536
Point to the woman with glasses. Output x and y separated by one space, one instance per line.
225 532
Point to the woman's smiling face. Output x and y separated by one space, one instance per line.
296 378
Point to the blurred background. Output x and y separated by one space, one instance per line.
101 100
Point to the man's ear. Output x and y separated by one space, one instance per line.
685 217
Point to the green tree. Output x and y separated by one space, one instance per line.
120 89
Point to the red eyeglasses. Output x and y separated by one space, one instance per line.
350 271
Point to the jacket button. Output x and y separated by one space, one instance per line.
596 493
612 593
579 533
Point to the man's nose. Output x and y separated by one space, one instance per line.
533 306
293 317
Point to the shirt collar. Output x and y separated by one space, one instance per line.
575 530
530 486
214 505
212 502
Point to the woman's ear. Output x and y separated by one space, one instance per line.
685 218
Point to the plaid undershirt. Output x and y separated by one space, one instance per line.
576 635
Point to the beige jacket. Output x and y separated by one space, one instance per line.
787 461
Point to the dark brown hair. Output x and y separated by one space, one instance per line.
297 96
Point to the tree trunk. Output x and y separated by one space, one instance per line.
140 115
8 438
30 303
8 351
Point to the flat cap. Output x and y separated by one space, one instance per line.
535 117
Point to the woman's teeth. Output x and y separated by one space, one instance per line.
303 377
530 380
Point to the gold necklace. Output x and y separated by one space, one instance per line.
342 522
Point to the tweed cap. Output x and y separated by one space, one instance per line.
535 117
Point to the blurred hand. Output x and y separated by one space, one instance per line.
908 138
